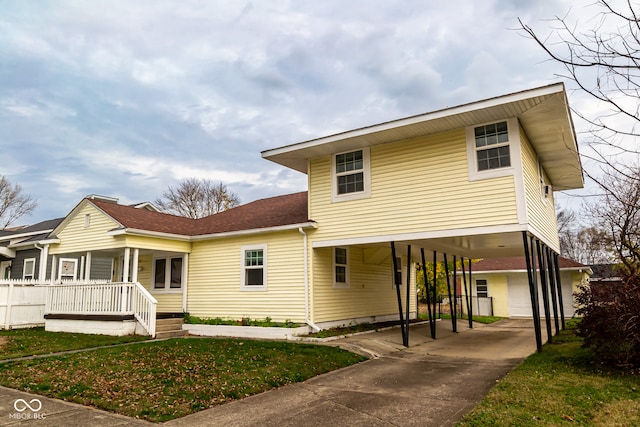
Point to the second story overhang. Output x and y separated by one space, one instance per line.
542 112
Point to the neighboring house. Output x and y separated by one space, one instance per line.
473 181
23 258
500 286
605 275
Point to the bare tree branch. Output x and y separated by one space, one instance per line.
13 203
194 198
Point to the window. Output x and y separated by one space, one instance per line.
67 269
350 173
341 267
167 273
254 267
482 290
489 149
29 268
87 220
492 146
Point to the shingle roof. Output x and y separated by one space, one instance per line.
47 225
518 263
270 212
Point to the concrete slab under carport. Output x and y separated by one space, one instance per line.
430 383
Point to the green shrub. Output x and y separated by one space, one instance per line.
610 322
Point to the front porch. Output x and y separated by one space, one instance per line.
115 308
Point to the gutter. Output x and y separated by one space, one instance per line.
308 321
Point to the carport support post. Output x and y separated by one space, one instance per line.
470 297
406 317
552 285
395 281
455 290
435 281
432 317
467 292
545 289
452 312
533 289
556 262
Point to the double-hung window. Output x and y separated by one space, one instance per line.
341 267
254 267
167 274
489 149
29 269
492 146
350 175
482 290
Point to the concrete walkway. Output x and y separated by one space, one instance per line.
431 383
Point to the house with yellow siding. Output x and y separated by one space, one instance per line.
500 287
472 181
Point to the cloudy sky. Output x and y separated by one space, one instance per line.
124 98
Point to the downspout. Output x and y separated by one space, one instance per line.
308 321
42 265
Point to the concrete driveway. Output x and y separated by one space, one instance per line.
431 383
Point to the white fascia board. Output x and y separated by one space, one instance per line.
585 268
49 241
137 232
6 252
147 233
287 227
461 109
425 235
25 235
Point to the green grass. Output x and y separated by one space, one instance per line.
159 381
562 385
245 321
27 342
479 319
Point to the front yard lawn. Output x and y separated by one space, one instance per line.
28 342
159 381
561 386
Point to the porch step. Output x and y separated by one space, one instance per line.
169 328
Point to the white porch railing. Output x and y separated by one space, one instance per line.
109 298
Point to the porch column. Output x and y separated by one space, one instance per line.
125 267
54 267
134 266
44 256
87 269
185 272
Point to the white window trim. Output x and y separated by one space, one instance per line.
543 184
243 285
87 220
73 261
24 268
167 275
340 285
513 130
366 169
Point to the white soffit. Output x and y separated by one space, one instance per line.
543 113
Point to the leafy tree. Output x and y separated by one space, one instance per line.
13 203
197 198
